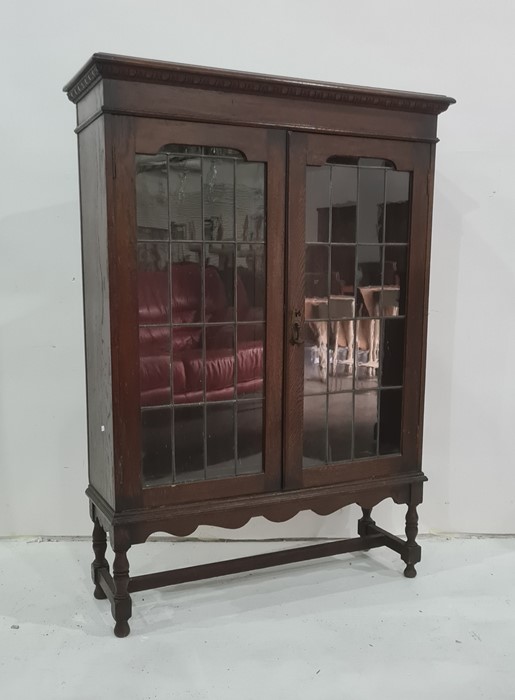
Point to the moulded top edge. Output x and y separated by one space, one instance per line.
103 65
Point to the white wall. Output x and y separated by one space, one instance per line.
463 48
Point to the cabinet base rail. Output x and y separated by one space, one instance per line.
227 567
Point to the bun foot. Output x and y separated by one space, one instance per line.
410 571
122 629
99 593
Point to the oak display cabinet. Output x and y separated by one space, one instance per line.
256 264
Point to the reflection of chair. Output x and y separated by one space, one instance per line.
369 329
316 308
341 309
331 322
335 333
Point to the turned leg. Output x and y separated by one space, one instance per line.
122 604
100 562
364 522
412 551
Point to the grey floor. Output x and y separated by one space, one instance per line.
347 627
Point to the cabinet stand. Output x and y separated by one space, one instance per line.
117 588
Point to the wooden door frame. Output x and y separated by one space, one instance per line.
314 149
127 136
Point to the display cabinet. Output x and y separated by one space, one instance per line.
255 263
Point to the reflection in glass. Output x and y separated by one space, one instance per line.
397 207
328 356
250 437
344 193
219 363
316 275
218 198
395 268
188 364
219 151
186 282
201 228
250 369
362 162
365 424
153 284
189 442
318 193
219 282
176 148
154 358
316 308
151 197
186 252
370 268
390 426
185 341
375 163
185 188
390 301
342 306
341 354
342 274
222 152
370 205
340 427
156 443
355 293
315 431
392 360
368 342
220 440
316 334
250 201
251 265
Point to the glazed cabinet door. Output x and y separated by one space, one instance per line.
200 227
357 284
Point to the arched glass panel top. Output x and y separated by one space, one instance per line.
210 151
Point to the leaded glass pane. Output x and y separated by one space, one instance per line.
356 258
201 251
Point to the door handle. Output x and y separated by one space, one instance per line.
296 328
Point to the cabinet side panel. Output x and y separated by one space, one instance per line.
96 308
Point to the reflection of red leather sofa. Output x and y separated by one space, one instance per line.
185 351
